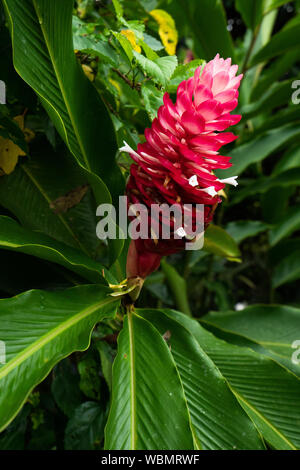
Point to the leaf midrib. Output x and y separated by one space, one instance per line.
46 338
133 432
61 218
61 87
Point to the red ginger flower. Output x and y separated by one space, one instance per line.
176 163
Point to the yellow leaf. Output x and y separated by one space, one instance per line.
131 38
167 30
10 152
115 84
89 72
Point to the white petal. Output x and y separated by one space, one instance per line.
128 149
181 232
231 180
240 306
211 191
193 181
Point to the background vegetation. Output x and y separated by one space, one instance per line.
57 166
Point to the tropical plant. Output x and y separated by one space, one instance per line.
204 355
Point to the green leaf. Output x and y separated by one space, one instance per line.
218 420
96 48
218 242
144 371
178 287
280 43
274 4
65 387
242 229
85 429
287 179
290 159
44 179
252 12
90 381
125 43
258 149
39 328
276 70
44 57
207 24
153 99
160 69
286 226
16 238
288 270
278 94
107 354
183 72
268 392
152 42
273 327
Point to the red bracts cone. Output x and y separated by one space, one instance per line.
176 163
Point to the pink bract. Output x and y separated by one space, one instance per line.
176 163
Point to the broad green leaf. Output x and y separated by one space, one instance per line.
258 149
278 94
291 159
283 249
286 179
287 115
85 429
118 8
207 24
286 226
252 12
280 43
218 242
160 69
178 287
274 327
148 409
152 42
16 238
153 99
39 328
276 70
33 188
243 229
274 4
125 43
44 57
287 270
268 392
218 420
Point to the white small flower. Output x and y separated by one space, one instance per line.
181 232
211 191
128 149
193 181
231 180
240 306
